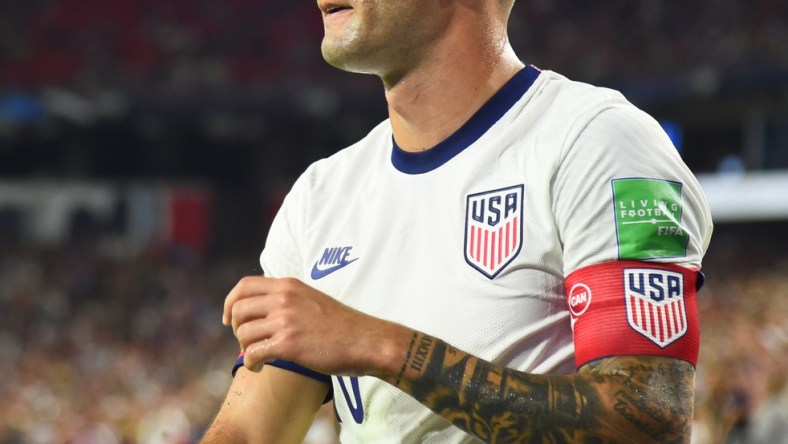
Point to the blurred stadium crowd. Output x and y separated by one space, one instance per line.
96 348
104 343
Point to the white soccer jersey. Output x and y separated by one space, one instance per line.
471 240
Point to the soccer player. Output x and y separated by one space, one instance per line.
512 256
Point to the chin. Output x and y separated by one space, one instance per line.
342 58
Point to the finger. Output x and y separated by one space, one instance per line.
254 331
246 287
258 354
248 309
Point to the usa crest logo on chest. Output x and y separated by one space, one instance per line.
493 229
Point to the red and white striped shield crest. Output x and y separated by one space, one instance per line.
493 229
655 304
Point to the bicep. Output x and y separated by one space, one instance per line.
271 406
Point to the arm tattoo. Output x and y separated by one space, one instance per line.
620 399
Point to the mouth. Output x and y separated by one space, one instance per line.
333 8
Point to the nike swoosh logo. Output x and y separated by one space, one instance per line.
320 274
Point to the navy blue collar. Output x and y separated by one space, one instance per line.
475 127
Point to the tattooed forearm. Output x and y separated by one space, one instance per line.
622 399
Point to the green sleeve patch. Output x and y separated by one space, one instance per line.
648 219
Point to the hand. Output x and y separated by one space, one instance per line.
287 319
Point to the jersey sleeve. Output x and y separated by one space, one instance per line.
293 367
634 225
282 257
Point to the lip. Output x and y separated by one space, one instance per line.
330 7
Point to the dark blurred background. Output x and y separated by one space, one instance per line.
146 144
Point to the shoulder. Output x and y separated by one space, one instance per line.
343 168
602 117
569 91
362 155
575 98
565 108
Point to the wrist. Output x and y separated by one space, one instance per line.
390 352
408 356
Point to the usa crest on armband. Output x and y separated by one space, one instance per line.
493 229
655 304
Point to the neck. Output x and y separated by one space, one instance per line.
433 100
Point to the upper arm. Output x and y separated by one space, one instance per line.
622 192
271 406
274 405
650 398
634 225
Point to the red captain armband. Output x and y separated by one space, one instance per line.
634 308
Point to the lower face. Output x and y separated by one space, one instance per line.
381 36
